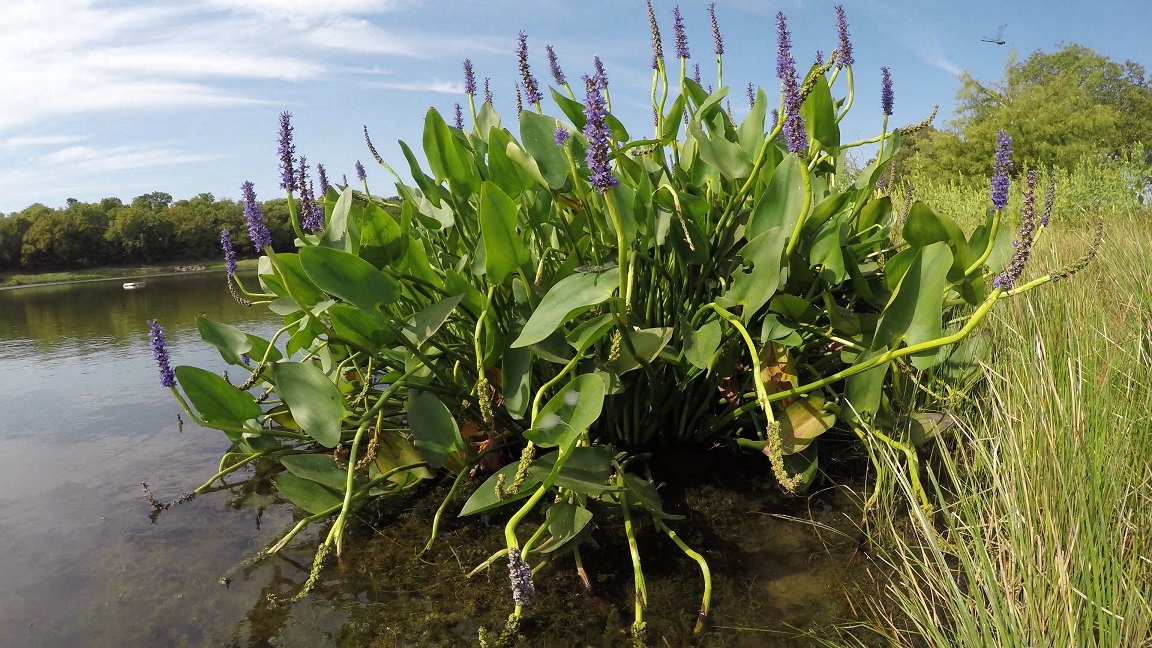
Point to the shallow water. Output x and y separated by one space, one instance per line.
83 421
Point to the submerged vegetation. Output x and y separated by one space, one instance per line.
546 316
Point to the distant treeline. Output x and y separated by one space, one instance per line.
151 229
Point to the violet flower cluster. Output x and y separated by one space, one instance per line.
1049 202
598 134
716 36
681 36
323 179
229 253
360 172
1023 243
287 153
459 123
1001 169
886 96
751 95
786 71
160 354
520 574
531 87
601 75
696 73
657 45
487 91
257 229
554 64
561 136
469 78
311 214
844 52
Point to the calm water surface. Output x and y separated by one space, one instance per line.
83 421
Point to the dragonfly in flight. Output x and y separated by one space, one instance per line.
999 39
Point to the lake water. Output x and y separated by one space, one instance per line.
83 420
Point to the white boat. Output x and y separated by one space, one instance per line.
133 285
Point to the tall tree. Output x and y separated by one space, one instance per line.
1058 107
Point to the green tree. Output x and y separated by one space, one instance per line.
1058 107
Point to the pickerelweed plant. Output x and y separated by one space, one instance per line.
577 297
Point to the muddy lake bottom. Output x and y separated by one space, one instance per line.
786 571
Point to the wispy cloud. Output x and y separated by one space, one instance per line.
435 85
38 141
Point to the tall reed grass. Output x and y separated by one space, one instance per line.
1044 532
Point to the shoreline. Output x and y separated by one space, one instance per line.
121 274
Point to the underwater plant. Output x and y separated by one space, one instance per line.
573 297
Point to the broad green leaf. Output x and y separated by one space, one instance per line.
915 309
590 332
828 255
865 391
571 411
320 468
395 450
353 325
526 163
727 157
802 422
819 113
230 341
338 231
260 347
428 187
570 294
759 278
782 201
503 247
751 131
218 402
433 428
586 471
315 402
538 132
447 156
573 110
508 175
424 324
296 283
700 345
925 227
672 120
349 277
485 498
307 494
565 521
644 493
381 238
487 119
826 209
648 343
516 375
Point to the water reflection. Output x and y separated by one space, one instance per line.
82 423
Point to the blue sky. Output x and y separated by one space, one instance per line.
120 98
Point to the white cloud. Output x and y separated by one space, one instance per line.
435 85
38 141
90 160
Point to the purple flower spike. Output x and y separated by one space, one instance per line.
531 87
287 153
1049 201
311 214
601 75
751 95
1003 165
657 45
819 58
719 40
696 74
598 134
487 91
520 574
786 70
886 91
459 117
561 136
553 63
469 78
257 230
323 179
229 253
160 354
844 52
1023 243
681 37
360 172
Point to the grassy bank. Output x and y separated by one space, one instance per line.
1045 532
16 279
